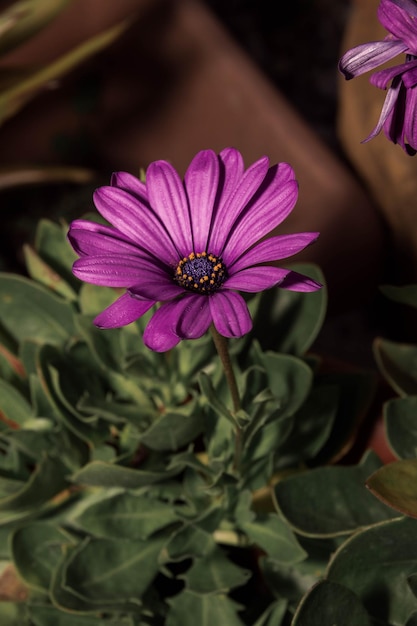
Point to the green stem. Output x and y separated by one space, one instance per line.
222 348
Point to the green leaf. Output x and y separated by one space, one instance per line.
44 274
30 311
398 364
331 501
47 479
36 551
53 248
100 474
23 89
24 19
331 603
14 614
107 573
288 321
289 379
401 426
189 608
126 515
51 616
376 565
273 615
15 410
189 541
395 484
404 294
214 572
174 429
95 298
275 537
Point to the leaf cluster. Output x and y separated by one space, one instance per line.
121 502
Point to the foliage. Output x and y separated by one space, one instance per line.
120 499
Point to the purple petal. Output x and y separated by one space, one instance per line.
398 17
382 78
228 211
368 56
273 249
410 122
298 282
254 279
131 184
167 197
387 109
136 221
115 271
155 286
230 314
93 239
201 183
122 312
159 335
260 219
186 318
410 75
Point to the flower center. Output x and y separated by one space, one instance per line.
201 272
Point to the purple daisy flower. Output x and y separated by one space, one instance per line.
190 245
399 112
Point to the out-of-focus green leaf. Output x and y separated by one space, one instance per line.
16 96
15 410
376 565
404 294
331 501
275 537
401 426
331 603
173 430
395 484
14 614
273 615
47 615
398 364
30 311
18 176
24 19
289 321
41 272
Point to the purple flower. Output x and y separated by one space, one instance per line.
399 112
191 245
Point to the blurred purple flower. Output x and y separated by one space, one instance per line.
399 112
190 245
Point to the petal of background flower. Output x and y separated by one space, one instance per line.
254 279
298 282
123 311
410 75
230 314
201 182
115 270
273 249
93 239
382 78
227 212
168 199
129 183
398 18
136 221
259 220
368 56
410 121
387 108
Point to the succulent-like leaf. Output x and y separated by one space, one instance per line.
395 484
